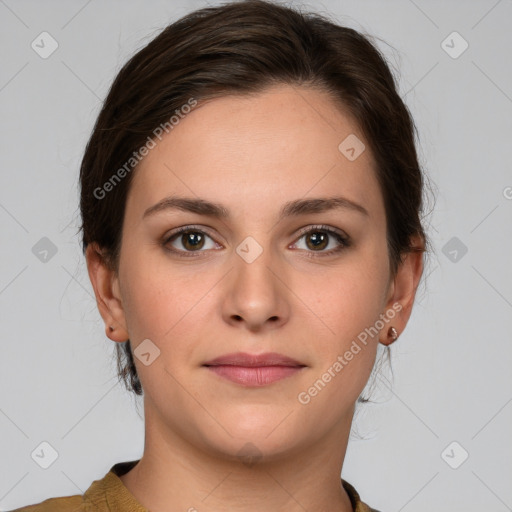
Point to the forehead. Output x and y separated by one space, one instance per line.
250 151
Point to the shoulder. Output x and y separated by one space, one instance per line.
105 494
355 499
64 504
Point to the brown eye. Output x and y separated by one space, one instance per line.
319 238
188 240
192 240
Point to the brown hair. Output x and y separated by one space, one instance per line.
241 48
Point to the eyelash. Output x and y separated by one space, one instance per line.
343 240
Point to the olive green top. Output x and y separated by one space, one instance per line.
110 495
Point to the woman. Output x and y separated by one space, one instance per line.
251 202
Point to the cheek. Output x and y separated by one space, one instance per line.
158 302
169 305
160 306
348 303
343 358
345 300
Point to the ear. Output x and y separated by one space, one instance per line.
402 291
105 282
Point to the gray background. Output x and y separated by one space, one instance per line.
452 365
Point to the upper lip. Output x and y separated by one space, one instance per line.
254 360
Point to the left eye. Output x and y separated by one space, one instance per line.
318 239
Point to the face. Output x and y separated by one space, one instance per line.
265 277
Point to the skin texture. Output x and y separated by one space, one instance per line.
252 154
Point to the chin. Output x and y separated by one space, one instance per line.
256 438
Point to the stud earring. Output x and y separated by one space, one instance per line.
111 328
393 333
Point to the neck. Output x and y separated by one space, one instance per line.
174 474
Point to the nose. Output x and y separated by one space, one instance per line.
256 294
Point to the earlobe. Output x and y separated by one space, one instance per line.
120 334
105 284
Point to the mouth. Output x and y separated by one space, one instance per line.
254 370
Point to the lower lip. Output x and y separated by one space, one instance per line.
254 376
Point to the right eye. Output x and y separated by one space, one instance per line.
190 238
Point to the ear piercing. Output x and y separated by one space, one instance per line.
393 333
111 328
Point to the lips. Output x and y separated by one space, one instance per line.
250 360
254 370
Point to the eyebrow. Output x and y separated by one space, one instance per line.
289 209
